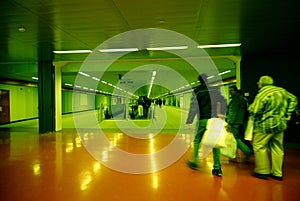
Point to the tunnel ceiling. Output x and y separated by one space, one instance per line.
32 29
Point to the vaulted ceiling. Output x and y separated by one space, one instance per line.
262 27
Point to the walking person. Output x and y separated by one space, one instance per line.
236 118
271 109
204 103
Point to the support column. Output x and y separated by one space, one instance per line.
46 97
58 99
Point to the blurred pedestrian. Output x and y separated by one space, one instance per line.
206 102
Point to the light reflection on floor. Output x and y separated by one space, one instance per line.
56 166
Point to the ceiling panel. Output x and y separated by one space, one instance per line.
263 27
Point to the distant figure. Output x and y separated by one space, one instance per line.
159 102
145 102
271 109
206 103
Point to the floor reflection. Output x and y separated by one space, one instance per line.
58 166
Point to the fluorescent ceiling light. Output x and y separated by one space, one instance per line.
97 79
119 50
220 45
222 73
168 48
35 78
72 51
151 83
84 74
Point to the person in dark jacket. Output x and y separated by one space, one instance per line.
206 103
236 118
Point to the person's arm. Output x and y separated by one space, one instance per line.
193 110
292 104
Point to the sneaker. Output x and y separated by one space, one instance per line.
192 165
217 172
260 176
278 178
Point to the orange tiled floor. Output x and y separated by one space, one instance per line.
56 166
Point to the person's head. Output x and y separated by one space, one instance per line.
265 81
202 78
233 90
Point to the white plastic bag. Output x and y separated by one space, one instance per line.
248 135
212 137
231 146
216 136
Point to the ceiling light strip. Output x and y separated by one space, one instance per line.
168 48
151 83
224 72
84 74
119 50
149 48
220 45
71 51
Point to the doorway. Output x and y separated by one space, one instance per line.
4 106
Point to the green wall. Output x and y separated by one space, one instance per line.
23 101
83 101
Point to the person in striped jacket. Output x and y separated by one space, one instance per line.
272 108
